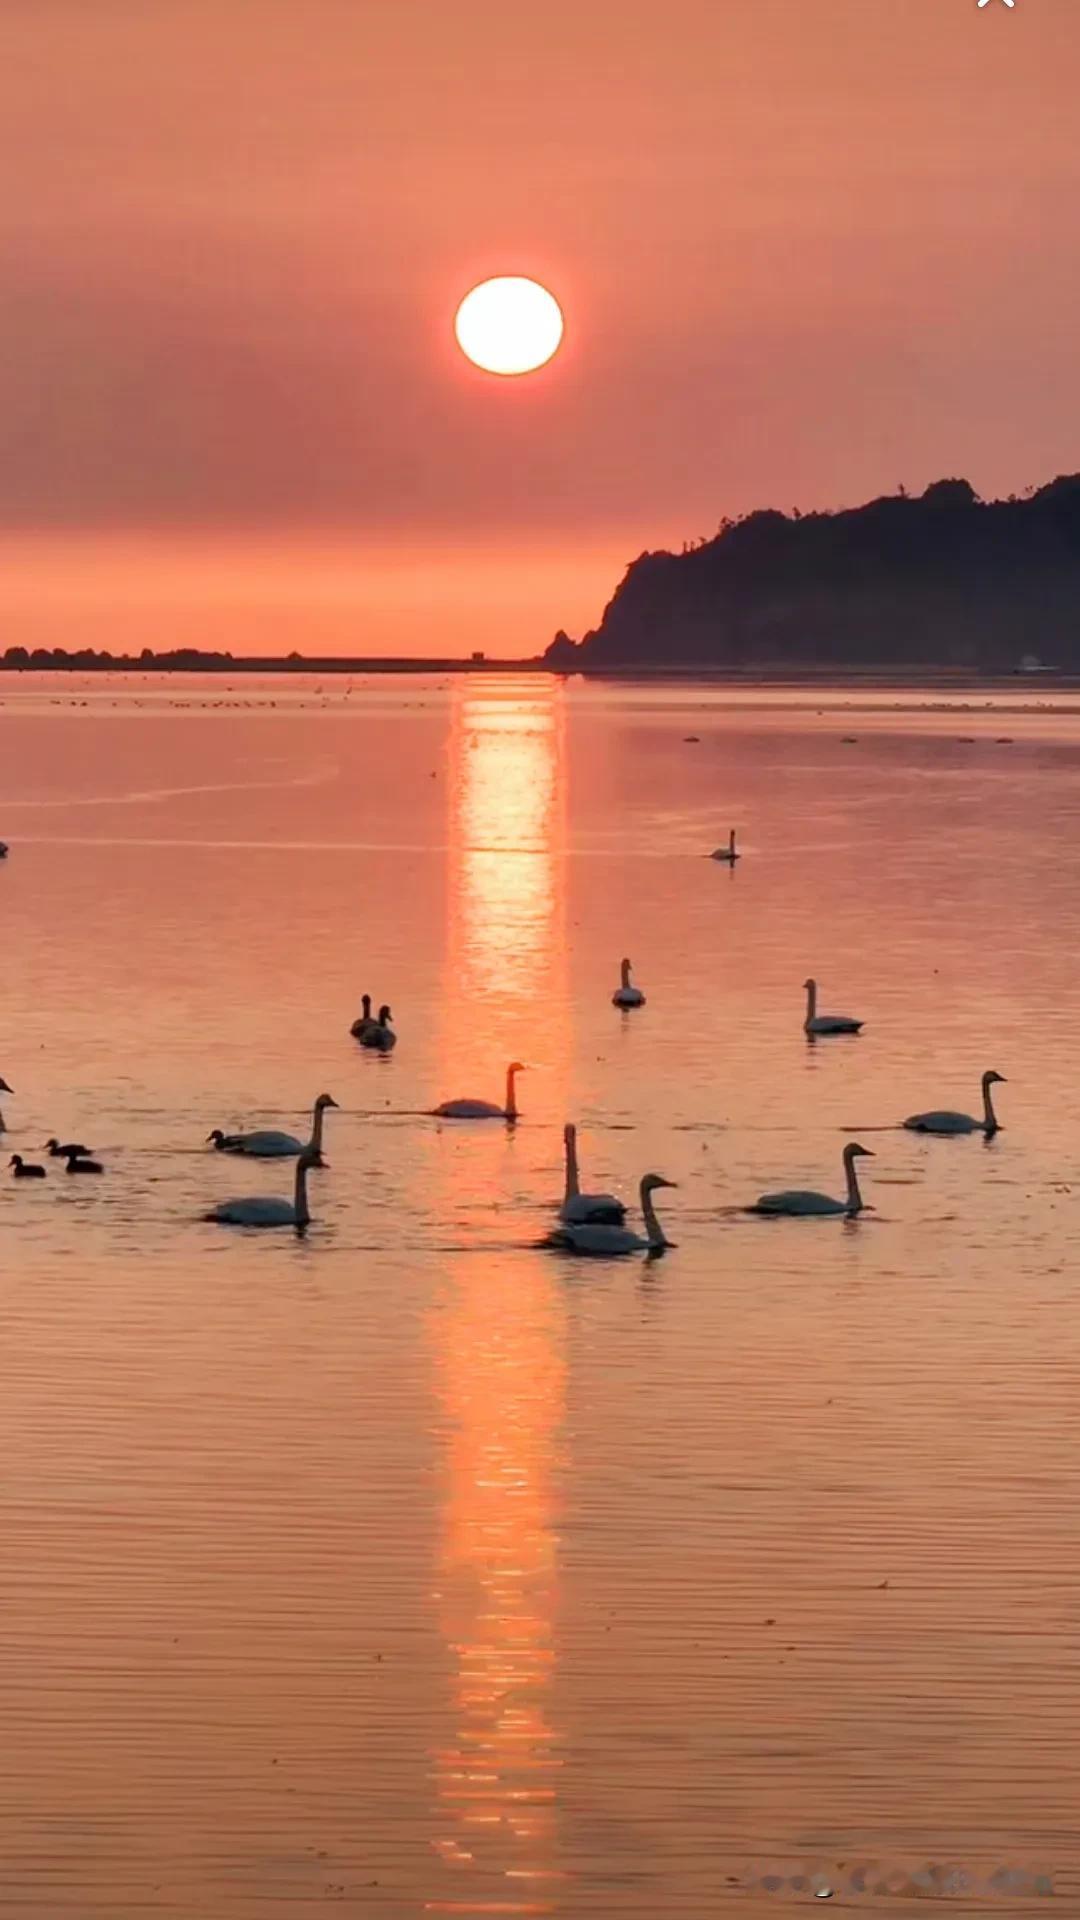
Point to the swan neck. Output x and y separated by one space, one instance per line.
654 1232
572 1187
511 1103
855 1199
811 999
316 1127
300 1203
989 1116
625 971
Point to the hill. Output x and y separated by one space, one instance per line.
944 580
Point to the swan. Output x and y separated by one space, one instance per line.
23 1171
816 1022
942 1121
798 1201
598 1237
363 1020
378 1034
57 1152
484 1109
267 1210
269 1145
626 995
582 1209
728 854
76 1165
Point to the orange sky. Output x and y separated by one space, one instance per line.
807 249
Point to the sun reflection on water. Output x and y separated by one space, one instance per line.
498 1335
507 796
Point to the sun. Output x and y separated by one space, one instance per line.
509 326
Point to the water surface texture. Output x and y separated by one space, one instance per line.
415 1569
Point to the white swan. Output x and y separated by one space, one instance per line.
798 1201
820 1023
626 995
484 1109
728 854
378 1034
941 1120
363 1020
595 1237
582 1209
269 1145
266 1210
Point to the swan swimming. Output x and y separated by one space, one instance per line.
269 1145
821 1023
77 1165
599 1238
378 1034
484 1109
23 1171
798 1201
57 1152
267 1210
583 1209
728 854
363 1020
626 995
941 1120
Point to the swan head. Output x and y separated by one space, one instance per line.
365 1004
216 1136
50 1144
517 1066
993 1079
809 985
854 1151
654 1180
16 1160
325 1100
569 1133
4 1088
384 1015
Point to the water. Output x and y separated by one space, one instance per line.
412 1568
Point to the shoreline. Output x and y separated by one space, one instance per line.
761 676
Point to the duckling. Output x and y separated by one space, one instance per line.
23 1170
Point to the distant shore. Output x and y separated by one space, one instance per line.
771 674
189 660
